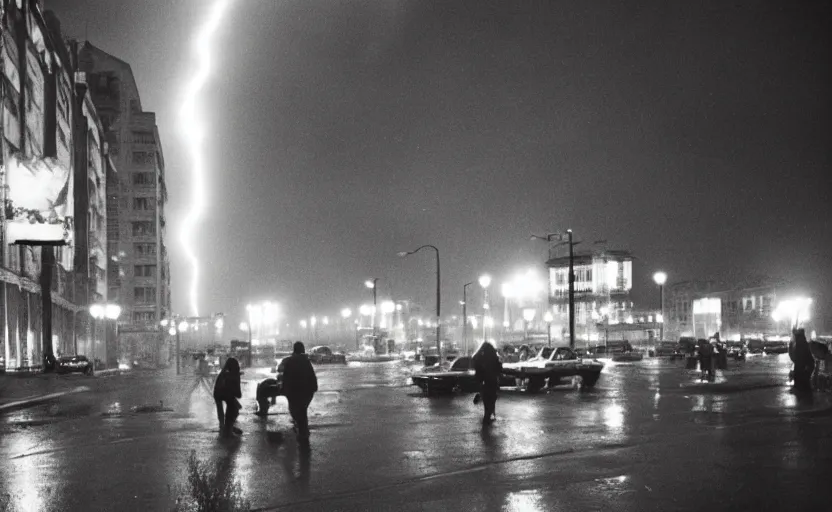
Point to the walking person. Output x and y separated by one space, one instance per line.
227 389
804 363
487 368
299 386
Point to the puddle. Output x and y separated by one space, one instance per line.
151 408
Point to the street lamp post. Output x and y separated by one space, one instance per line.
438 296
465 315
485 281
182 327
373 285
528 316
660 278
246 327
558 236
548 319
101 312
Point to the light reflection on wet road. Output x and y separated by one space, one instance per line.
633 443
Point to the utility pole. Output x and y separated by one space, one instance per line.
465 315
571 292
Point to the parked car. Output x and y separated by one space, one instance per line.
666 349
2 364
457 376
552 365
775 347
735 349
74 364
325 355
755 345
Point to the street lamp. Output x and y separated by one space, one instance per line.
559 236
372 284
485 282
438 294
101 312
246 327
660 278
528 316
548 319
464 303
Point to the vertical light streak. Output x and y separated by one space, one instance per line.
193 133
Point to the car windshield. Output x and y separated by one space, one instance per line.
546 352
463 363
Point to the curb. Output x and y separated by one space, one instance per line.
26 402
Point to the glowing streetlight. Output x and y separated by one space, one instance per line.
794 310
346 313
388 307
528 316
485 281
660 278
303 324
404 254
101 312
366 310
547 317
325 320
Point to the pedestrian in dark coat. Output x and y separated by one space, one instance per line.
299 385
804 363
487 368
227 390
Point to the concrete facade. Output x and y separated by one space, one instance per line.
139 269
735 310
603 281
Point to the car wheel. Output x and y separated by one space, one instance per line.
589 380
535 384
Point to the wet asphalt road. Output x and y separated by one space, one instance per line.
649 437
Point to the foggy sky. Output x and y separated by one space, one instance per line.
696 135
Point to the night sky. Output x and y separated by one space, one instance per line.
696 135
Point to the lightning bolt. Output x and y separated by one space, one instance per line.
193 133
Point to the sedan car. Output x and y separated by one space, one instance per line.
552 365
459 376
74 364
668 349
325 355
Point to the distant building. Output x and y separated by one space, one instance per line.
603 281
139 269
735 310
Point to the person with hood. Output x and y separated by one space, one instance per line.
227 389
487 368
299 386
804 363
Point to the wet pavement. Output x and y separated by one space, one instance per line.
648 437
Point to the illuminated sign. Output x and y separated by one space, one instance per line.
39 201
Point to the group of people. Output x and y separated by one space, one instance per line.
299 387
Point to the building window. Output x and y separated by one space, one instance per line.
142 178
144 270
144 138
144 249
144 294
143 203
144 317
143 157
144 228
